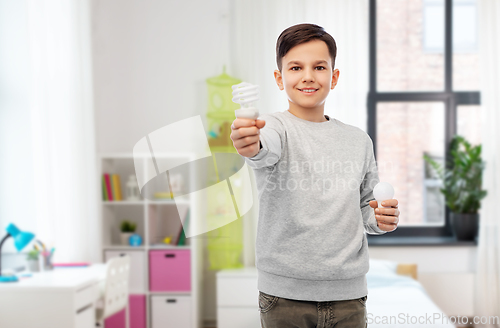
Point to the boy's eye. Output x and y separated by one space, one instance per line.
296 68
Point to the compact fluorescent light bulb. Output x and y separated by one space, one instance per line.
246 94
383 191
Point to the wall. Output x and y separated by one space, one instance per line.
151 59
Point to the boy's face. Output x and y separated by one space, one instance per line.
307 66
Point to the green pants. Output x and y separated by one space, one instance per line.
278 312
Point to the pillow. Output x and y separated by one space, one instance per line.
382 267
382 274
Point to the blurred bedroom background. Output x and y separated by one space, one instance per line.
83 81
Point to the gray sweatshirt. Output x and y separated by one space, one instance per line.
314 183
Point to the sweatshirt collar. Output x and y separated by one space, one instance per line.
319 125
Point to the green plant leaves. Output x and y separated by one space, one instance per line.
128 226
462 176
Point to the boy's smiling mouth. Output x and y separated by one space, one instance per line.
308 91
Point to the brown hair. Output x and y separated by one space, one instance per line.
302 33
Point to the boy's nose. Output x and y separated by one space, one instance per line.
308 75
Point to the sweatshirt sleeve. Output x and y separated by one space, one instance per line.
366 192
272 139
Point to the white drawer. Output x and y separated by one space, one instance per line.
235 291
86 296
86 318
137 265
231 317
171 311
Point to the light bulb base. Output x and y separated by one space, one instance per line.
250 113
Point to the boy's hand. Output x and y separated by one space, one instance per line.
245 135
387 218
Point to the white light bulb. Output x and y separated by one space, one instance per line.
246 94
383 191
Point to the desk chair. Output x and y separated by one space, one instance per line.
114 290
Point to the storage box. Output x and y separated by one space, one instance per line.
170 270
171 311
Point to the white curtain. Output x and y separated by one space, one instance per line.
487 302
254 28
65 179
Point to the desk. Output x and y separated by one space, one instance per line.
62 298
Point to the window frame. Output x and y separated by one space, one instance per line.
450 98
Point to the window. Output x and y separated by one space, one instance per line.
424 86
465 39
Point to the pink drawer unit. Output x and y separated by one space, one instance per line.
170 270
137 314
137 306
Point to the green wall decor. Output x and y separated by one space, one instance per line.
224 244
220 113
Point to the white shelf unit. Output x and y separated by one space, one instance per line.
155 220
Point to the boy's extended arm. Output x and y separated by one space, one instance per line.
366 194
272 140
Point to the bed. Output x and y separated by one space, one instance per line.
397 299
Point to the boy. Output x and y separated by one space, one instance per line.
315 177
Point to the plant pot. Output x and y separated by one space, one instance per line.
33 265
125 237
465 225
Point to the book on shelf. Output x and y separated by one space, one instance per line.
104 189
111 187
181 240
108 186
117 193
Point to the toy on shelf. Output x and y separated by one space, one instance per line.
135 240
132 189
217 134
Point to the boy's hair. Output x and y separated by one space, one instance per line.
302 33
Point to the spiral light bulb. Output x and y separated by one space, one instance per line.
246 94
383 191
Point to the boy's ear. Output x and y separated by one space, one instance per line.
279 79
335 78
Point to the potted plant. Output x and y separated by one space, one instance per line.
127 229
32 259
462 183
